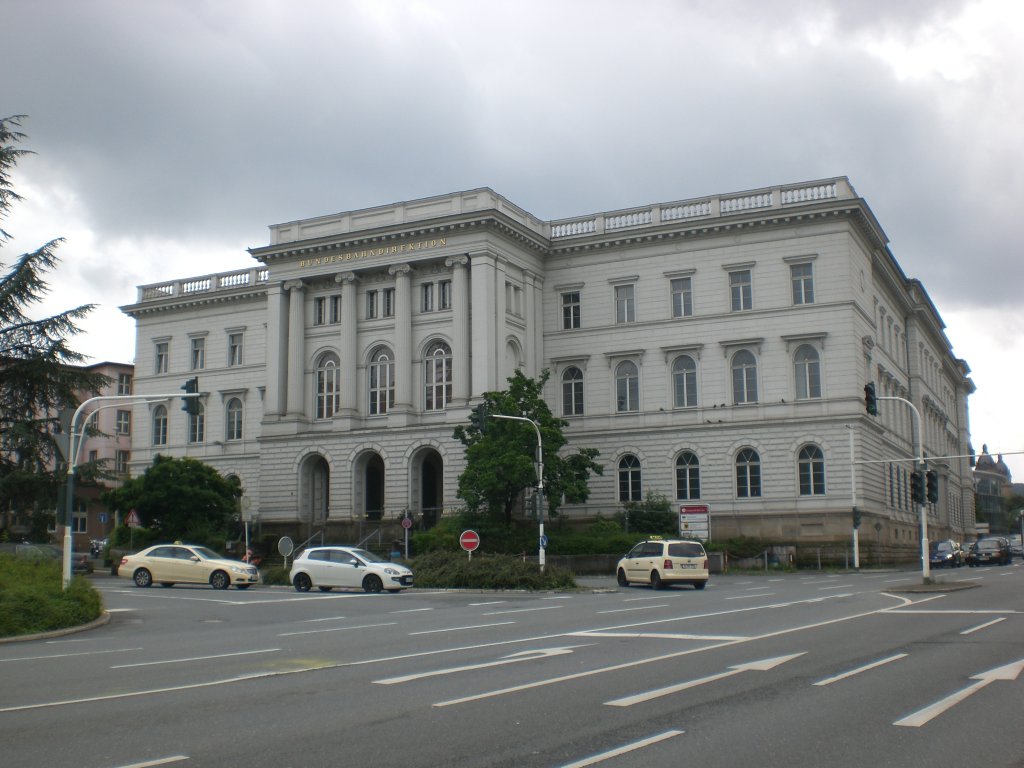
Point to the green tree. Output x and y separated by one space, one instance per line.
39 372
180 499
501 454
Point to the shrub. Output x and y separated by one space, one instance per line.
486 571
32 598
275 576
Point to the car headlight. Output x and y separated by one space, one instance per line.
391 572
239 569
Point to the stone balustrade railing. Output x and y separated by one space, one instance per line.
192 286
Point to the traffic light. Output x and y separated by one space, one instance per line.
191 404
931 480
478 418
917 487
856 518
870 401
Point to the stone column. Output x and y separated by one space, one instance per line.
403 338
296 347
460 328
277 350
487 295
533 314
347 344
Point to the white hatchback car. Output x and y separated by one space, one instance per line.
347 568
661 562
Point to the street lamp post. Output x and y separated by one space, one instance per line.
540 483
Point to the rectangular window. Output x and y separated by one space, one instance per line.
742 290
121 462
124 423
371 305
320 310
94 456
427 293
198 354
625 304
124 383
197 428
234 349
162 353
445 298
335 309
802 276
682 297
79 522
389 302
571 310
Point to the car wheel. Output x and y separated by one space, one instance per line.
325 589
621 578
220 580
143 578
372 583
656 580
243 586
302 582
166 583
699 584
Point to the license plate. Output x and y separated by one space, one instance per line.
687 565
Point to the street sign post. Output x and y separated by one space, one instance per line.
695 521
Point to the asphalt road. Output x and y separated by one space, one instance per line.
804 669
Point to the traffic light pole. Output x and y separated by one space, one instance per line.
922 468
74 448
540 483
853 504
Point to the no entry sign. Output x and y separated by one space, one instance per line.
469 540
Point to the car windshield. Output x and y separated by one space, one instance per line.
206 554
988 544
941 546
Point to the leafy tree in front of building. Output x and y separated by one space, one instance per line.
40 374
501 454
179 499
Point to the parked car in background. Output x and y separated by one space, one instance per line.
662 562
347 568
170 564
990 550
1015 545
945 554
80 562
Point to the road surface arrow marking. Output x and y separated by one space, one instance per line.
922 716
514 658
753 666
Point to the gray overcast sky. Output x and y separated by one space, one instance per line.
170 133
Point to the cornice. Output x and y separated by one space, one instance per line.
192 301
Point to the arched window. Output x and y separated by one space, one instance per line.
630 480
684 382
748 474
328 386
627 387
437 370
744 377
807 367
160 425
197 425
687 476
572 392
234 419
381 384
811 464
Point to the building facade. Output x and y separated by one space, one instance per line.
714 351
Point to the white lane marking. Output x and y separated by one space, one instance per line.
323 618
637 599
858 670
751 597
763 665
896 581
983 626
636 608
559 597
69 655
413 610
193 658
521 610
515 658
1007 672
753 589
624 749
658 635
337 629
159 761
837 586
492 602
455 629
954 611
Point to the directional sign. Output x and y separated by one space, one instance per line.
754 666
695 521
469 540
1006 672
133 521
515 658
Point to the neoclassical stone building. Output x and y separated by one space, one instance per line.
714 350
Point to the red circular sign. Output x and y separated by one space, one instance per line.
469 540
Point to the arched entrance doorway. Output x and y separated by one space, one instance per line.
314 495
373 487
428 474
